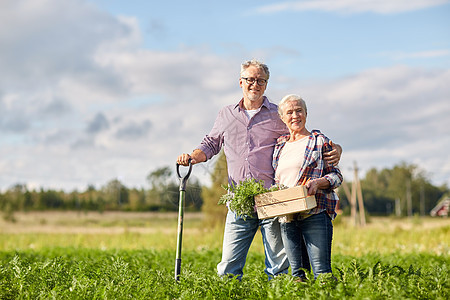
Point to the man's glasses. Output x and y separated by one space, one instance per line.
251 80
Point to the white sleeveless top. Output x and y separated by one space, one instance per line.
290 161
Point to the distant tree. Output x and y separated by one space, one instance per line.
7 208
194 198
12 201
51 199
169 196
159 178
382 188
377 199
116 194
137 199
164 191
28 200
159 181
215 214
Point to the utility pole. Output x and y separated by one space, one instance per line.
346 191
362 214
356 196
353 199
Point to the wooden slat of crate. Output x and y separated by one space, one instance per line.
282 202
296 192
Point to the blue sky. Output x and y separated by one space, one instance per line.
96 90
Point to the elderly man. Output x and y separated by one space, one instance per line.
248 131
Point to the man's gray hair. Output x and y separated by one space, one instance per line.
289 98
257 64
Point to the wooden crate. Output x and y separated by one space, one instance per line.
283 202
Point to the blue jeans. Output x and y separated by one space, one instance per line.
314 232
238 236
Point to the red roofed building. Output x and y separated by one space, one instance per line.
441 209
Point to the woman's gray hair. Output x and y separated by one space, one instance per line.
257 64
292 97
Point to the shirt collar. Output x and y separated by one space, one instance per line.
240 104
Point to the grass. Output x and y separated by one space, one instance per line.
132 256
158 231
69 273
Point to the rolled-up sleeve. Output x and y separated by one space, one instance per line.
212 143
332 172
334 178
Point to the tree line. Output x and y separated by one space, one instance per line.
163 195
385 192
402 190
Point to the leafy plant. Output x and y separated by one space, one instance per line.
241 197
81 273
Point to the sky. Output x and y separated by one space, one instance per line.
96 90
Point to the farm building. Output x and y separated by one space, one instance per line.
441 209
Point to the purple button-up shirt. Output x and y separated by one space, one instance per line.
248 143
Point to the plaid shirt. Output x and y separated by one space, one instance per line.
314 166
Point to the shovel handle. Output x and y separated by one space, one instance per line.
183 179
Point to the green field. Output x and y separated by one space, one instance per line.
131 256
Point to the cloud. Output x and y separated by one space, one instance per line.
82 102
416 55
351 6
14 123
69 79
157 29
134 130
99 123
147 71
386 115
41 40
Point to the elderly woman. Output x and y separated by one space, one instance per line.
298 157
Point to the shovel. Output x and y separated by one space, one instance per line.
183 181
